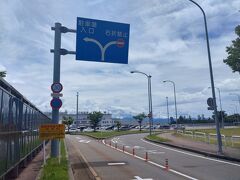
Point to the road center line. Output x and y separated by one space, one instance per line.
190 154
151 162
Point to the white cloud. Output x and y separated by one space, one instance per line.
167 40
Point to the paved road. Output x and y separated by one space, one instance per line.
191 164
182 164
110 164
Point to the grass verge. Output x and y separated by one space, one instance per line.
227 141
55 171
226 132
109 134
155 137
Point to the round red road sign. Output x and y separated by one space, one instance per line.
56 87
120 43
56 103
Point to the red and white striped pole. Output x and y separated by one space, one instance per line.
166 165
146 156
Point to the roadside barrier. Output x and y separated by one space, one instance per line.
232 139
146 156
215 137
188 133
180 131
166 164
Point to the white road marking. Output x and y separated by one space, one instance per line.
139 178
190 154
138 147
151 162
115 164
155 152
78 138
84 141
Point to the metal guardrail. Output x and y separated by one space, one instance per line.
207 137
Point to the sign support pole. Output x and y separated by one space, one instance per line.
56 79
59 155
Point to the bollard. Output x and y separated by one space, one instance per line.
123 148
166 165
146 157
110 143
116 145
133 152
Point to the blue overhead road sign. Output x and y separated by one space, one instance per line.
102 41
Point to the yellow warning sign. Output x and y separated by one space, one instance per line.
52 131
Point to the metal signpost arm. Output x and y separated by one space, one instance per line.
212 81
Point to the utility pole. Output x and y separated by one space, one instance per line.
77 109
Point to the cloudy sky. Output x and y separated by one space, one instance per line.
167 41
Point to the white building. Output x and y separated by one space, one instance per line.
84 121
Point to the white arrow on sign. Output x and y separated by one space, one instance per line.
104 48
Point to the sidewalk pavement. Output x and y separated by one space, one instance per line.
229 153
32 171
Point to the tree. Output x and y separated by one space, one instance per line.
118 124
3 74
67 121
180 120
95 117
233 59
140 117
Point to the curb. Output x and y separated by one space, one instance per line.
208 154
70 172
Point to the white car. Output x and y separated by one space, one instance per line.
71 130
88 130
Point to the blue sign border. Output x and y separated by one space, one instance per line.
102 41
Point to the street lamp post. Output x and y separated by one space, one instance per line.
167 110
77 109
212 81
235 111
149 99
220 102
234 94
175 99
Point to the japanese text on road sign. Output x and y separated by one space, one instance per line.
52 131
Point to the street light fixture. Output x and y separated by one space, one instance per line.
212 81
175 99
149 98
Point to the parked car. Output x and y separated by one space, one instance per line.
88 129
72 130
124 128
